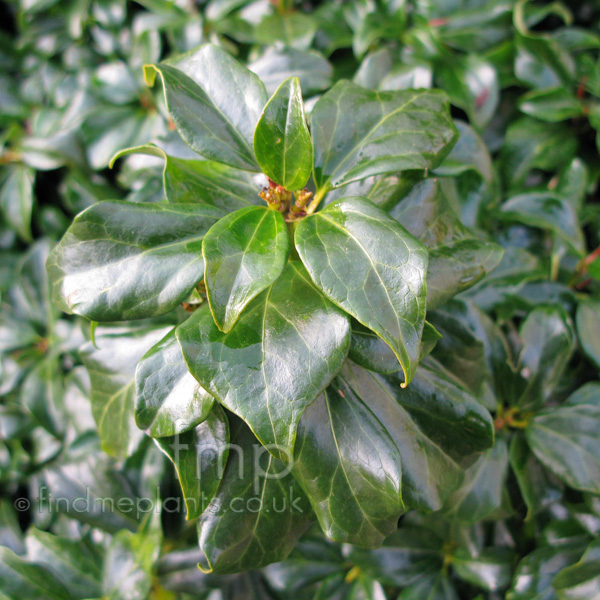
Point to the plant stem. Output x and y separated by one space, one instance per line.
317 200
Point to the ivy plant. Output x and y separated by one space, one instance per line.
308 299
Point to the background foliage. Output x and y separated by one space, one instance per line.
524 83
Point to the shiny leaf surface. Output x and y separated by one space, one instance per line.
215 103
282 142
369 265
285 348
244 253
359 132
168 400
121 261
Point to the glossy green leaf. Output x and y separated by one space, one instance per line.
278 63
529 144
565 439
89 483
282 142
129 561
350 468
588 329
411 553
215 103
548 341
581 580
369 265
111 366
358 133
199 457
539 487
16 199
481 492
490 569
552 105
546 211
429 470
533 576
435 587
370 351
258 513
457 267
201 181
457 259
20 579
120 260
244 253
472 84
168 400
285 348
76 564
312 560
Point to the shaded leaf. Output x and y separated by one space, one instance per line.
111 366
565 439
199 457
201 181
258 513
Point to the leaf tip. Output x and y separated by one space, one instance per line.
150 72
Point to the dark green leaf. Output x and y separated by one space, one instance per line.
481 492
74 563
120 260
490 569
453 269
552 105
370 351
530 144
546 211
409 554
350 468
285 348
580 581
202 181
429 471
282 142
533 576
199 456
16 199
538 485
21 580
244 253
565 439
258 513
168 400
588 328
368 264
358 133
214 102
548 341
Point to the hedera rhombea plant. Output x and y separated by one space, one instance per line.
312 339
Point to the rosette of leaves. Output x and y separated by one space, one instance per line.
308 303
